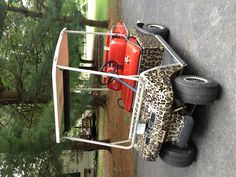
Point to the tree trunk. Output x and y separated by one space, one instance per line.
67 19
11 97
80 146
86 61
95 23
2 87
99 100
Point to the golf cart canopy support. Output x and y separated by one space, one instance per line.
60 71
60 87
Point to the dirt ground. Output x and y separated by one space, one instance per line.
114 12
117 163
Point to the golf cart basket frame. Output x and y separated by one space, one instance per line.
60 66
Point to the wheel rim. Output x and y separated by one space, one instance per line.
195 79
155 26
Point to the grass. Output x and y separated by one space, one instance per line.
97 10
100 136
100 13
101 9
126 120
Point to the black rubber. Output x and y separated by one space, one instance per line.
186 131
86 67
157 30
86 61
195 90
115 71
119 104
178 157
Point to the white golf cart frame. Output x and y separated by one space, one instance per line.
60 63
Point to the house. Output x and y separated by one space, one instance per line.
78 164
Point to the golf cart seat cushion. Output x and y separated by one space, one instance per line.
120 28
117 50
132 56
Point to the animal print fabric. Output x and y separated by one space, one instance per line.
158 100
152 50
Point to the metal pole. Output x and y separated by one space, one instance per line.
134 78
90 89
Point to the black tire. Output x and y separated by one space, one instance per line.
157 30
195 90
178 157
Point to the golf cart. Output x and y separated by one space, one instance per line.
142 66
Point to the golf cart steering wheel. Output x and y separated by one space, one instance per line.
114 71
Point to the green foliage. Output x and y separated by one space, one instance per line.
26 51
28 150
2 15
28 44
101 9
79 103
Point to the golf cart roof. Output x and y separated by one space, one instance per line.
61 57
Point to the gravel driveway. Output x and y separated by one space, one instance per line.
203 32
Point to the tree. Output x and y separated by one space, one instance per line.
14 97
89 147
29 150
67 19
27 44
33 39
